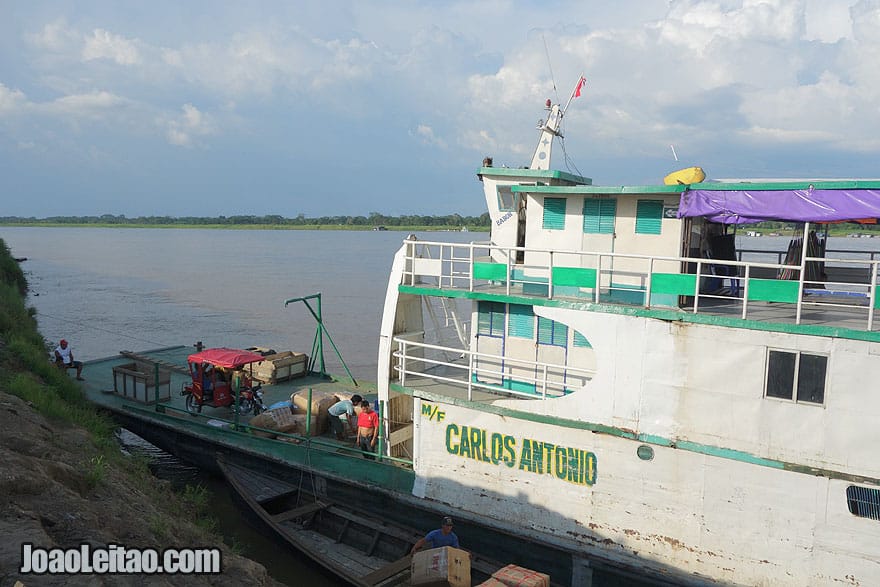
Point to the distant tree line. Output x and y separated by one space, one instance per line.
374 219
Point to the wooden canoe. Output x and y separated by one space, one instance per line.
363 550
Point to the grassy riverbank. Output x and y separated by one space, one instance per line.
65 481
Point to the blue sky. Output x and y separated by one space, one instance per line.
352 107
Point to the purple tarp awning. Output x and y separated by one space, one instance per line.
810 205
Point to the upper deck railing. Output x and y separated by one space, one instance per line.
839 291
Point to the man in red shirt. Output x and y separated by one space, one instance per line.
368 429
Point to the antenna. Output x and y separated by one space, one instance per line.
673 152
550 67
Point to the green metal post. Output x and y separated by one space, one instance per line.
237 383
309 416
318 344
156 385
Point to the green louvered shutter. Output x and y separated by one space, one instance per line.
560 334
490 318
579 340
522 321
554 213
599 214
649 216
551 332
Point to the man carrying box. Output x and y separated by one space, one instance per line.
443 536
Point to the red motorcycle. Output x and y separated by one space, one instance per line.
215 375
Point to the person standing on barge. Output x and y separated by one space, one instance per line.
368 430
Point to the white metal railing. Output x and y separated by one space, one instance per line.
414 359
831 255
626 278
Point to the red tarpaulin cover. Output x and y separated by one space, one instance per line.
229 358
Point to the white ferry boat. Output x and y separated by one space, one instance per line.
612 375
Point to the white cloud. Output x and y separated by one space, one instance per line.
105 45
702 74
183 130
11 100
86 103
56 36
426 134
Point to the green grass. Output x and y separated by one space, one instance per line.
27 372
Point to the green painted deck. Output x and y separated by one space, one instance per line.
218 426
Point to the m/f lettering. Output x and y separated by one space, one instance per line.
433 412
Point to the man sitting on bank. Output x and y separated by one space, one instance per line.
64 359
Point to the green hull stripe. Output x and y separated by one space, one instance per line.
656 313
326 461
714 451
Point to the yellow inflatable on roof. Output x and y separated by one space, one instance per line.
688 175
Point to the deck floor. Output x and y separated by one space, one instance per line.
99 387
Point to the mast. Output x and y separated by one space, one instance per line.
550 129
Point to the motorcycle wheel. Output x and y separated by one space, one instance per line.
244 406
259 408
192 406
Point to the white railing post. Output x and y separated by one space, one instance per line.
648 282
803 275
508 272
872 294
550 278
745 290
402 350
471 376
471 267
697 287
598 277
544 383
440 258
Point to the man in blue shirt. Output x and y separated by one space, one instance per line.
342 417
443 536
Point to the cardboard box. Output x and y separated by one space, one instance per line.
280 367
321 402
284 419
444 566
491 582
514 576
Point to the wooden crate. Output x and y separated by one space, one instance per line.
136 381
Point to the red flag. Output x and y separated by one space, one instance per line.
577 90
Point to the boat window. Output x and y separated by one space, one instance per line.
579 340
649 216
796 376
506 199
490 319
522 321
599 215
863 502
552 332
554 213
